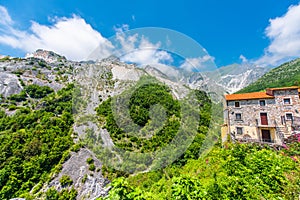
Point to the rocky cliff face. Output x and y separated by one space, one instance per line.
47 56
234 77
89 184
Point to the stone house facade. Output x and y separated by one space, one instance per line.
267 117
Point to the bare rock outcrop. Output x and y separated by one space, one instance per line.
88 182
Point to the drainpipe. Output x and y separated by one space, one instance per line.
228 124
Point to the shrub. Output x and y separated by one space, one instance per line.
90 160
92 167
36 91
65 180
83 180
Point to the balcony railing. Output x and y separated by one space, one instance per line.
296 120
269 123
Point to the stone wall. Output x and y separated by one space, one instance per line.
275 109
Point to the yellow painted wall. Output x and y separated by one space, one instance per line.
224 133
247 130
255 133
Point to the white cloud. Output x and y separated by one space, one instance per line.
145 53
138 49
243 58
284 33
71 37
147 57
5 18
196 64
74 38
133 17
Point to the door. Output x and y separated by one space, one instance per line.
266 135
264 118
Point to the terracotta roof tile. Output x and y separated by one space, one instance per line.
245 96
284 88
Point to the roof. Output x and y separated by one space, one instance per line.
245 96
258 95
284 88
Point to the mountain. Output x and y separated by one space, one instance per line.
236 76
227 79
287 74
52 105
36 105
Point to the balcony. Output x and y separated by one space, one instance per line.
296 123
269 124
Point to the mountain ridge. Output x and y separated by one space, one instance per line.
287 74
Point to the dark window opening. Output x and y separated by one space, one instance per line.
238 116
289 116
287 101
262 103
239 130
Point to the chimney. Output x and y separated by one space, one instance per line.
269 91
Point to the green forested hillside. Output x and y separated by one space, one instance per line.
287 74
154 136
35 140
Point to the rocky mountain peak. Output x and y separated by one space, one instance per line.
48 56
236 76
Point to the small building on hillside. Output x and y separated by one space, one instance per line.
264 117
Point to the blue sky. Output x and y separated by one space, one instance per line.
231 31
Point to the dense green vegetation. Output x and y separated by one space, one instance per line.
150 136
36 91
34 142
65 194
65 180
33 91
287 74
140 102
238 171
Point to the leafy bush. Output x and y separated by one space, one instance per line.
36 91
65 180
53 194
84 178
92 167
90 160
18 97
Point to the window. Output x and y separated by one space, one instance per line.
262 103
239 130
237 104
287 101
238 116
289 116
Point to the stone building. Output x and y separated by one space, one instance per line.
267 117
